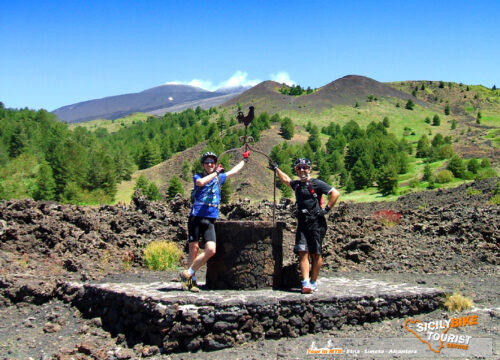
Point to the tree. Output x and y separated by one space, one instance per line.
447 109
17 142
314 140
494 87
185 170
349 184
225 192
456 166
453 124
427 173
45 183
423 147
287 128
436 121
473 166
324 171
386 122
150 156
362 173
409 104
387 180
174 187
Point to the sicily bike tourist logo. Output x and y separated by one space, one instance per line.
441 334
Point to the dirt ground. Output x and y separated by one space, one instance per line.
447 239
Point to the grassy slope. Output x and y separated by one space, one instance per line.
465 105
112 125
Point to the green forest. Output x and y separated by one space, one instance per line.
358 158
43 159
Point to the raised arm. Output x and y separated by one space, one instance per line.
284 178
236 169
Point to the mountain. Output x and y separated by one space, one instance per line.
157 100
344 91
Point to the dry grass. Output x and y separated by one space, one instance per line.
162 255
457 302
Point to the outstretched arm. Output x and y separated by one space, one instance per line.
236 169
284 178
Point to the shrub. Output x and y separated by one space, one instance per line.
495 200
486 173
161 255
387 217
457 302
413 183
444 176
456 166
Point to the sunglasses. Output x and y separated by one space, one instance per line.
209 162
302 167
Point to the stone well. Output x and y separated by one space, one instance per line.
249 255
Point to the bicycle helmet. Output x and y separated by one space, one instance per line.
208 154
302 161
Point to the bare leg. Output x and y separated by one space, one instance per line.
304 264
193 252
201 259
317 261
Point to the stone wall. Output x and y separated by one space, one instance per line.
187 325
249 255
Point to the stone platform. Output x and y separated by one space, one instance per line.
162 314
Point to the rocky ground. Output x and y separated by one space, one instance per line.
445 238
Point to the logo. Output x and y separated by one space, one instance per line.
439 334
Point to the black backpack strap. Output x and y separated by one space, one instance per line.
313 193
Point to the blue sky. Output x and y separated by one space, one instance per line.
55 53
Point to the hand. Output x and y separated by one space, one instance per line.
273 165
219 169
246 154
323 212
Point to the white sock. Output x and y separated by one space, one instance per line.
191 272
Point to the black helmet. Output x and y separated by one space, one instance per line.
302 161
208 154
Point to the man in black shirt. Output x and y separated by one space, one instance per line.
311 228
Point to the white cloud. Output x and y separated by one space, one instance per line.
283 78
239 78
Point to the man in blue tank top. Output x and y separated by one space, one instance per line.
206 199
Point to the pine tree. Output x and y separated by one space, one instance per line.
436 121
287 128
387 180
447 109
45 183
225 192
456 166
409 104
174 187
427 173
153 193
349 184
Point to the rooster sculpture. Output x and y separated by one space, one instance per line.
246 119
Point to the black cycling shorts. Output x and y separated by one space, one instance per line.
201 226
310 234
